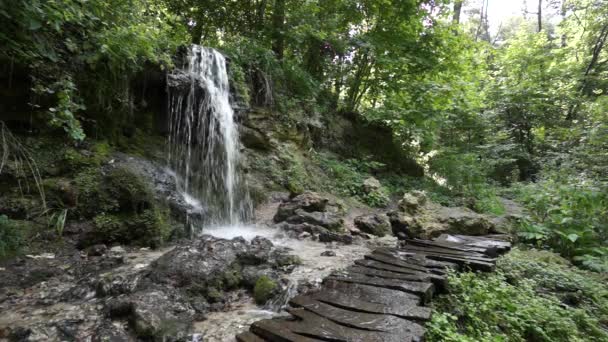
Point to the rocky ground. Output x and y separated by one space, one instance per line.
120 293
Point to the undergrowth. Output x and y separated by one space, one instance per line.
533 296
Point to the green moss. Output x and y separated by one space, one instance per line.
129 190
11 236
288 260
108 228
60 193
214 295
92 197
264 289
233 277
148 228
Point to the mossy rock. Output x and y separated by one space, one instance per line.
93 199
233 277
149 228
60 192
214 295
11 236
288 260
264 289
131 192
120 191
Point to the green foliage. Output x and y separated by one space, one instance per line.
57 221
531 298
264 290
568 217
80 51
347 178
148 228
11 236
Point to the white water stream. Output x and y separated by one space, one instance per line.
204 142
204 155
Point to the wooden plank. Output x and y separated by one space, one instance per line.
313 325
446 246
248 336
411 259
347 301
436 250
373 294
424 290
439 280
388 274
278 330
393 261
358 320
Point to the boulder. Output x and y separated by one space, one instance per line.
374 224
326 220
157 314
371 184
461 220
403 226
324 235
412 202
307 201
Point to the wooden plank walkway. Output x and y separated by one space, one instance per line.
383 296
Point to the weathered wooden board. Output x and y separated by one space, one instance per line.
379 298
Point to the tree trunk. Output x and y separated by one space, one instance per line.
197 33
540 15
595 54
457 11
260 14
278 27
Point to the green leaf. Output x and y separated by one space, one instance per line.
34 24
573 237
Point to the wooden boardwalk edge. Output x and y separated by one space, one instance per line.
382 297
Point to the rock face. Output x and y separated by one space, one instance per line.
419 218
312 215
374 224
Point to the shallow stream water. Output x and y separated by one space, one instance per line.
223 326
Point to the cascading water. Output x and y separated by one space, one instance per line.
204 142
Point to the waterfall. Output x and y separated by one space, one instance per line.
203 140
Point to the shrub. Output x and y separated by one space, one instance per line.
534 296
569 217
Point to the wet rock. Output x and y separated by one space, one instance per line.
329 236
112 331
156 314
328 254
251 274
117 253
307 201
326 220
96 250
374 224
116 284
402 225
201 259
254 139
257 253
